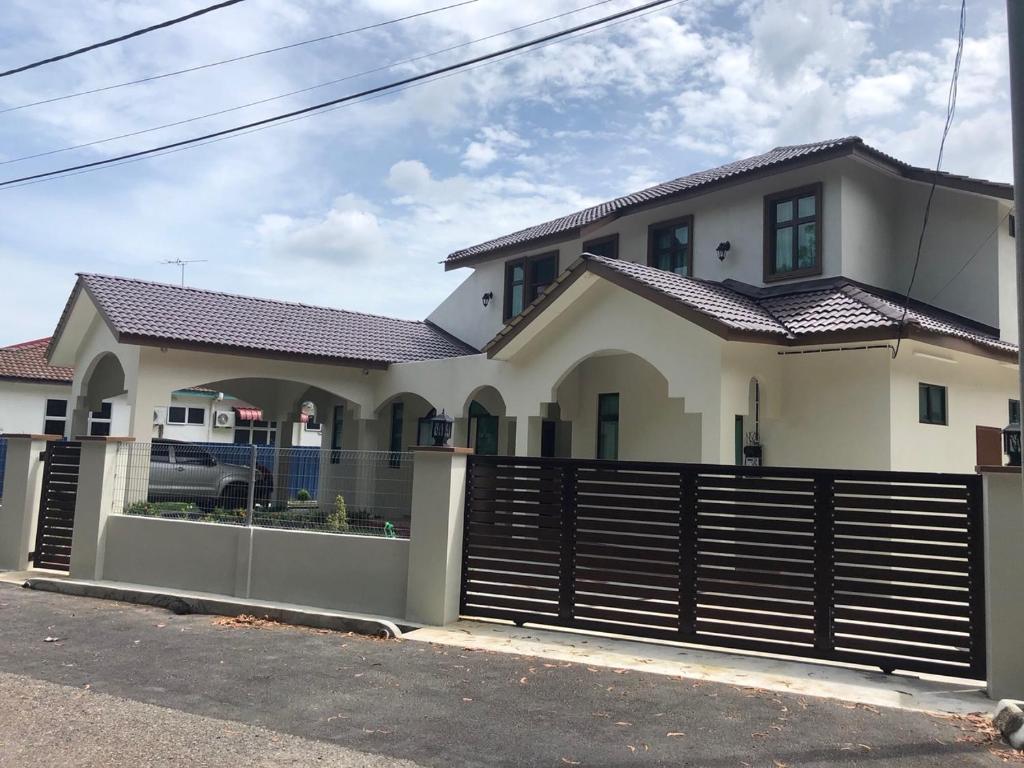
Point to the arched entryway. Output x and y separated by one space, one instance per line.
484 425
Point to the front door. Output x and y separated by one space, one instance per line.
486 436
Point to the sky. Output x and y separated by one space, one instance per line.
356 207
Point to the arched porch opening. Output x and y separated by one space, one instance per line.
92 408
615 405
484 424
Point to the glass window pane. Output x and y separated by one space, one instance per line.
517 304
783 211
176 414
922 403
608 248
608 405
805 207
99 429
57 408
784 249
241 437
1015 411
608 440
53 427
682 234
196 416
806 245
545 270
937 396
518 273
259 437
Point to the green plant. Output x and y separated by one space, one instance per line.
303 495
337 521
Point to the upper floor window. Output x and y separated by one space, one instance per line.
526 279
792 233
607 246
669 245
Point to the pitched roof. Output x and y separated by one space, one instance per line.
27 362
810 312
142 312
776 159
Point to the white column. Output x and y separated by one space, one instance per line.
435 540
94 503
23 478
1003 529
528 435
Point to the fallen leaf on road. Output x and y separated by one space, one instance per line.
672 734
522 681
52 640
780 764
567 761
465 699
623 722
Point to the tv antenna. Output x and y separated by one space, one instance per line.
181 263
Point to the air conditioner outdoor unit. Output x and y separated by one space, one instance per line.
224 419
160 415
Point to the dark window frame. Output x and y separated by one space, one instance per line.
51 420
1013 408
674 223
188 412
599 241
530 292
794 195
927 417
100 421
601 419
395 438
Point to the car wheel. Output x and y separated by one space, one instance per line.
234 497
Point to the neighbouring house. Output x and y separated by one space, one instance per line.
34 399
751 309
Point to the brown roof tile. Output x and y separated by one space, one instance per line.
791 315
566 226
146 312
27 362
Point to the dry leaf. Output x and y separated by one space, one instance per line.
567 761
671 734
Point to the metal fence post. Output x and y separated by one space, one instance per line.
824 562
567 557
688 483
251 501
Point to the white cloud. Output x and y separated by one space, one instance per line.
348 233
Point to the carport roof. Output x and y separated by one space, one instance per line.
159 314
818 311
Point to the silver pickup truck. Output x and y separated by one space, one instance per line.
180 471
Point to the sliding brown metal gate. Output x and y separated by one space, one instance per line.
876 568
57 506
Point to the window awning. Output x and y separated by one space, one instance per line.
249 414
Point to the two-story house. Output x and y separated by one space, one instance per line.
754 308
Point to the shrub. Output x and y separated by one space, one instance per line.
337 521
303 495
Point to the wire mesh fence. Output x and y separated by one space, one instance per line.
356 492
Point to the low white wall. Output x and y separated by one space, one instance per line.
325 570
330 570
171 553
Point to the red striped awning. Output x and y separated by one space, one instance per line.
249 414
304 417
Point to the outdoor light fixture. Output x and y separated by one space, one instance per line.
486 298
723 248
441 428
1011 442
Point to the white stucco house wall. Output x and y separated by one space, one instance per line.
754 307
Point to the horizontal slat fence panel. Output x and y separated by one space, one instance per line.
875 568
57 506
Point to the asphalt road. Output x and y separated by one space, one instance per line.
128 685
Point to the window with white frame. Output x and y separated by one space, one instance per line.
256 432
99 421
55 417
180 414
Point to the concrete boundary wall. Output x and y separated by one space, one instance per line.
336 571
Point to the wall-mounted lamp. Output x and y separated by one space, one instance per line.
486 298
723 248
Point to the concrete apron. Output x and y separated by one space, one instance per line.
183 601
858 686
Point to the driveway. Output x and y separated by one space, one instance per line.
126 685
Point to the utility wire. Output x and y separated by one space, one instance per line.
243 57
388 87
122 38
950 112
352 76
160 153
972 258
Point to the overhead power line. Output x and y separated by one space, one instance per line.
370 92
122 38
353 76
162 153
243 57
950 112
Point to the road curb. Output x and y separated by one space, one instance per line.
1009 720
218 606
